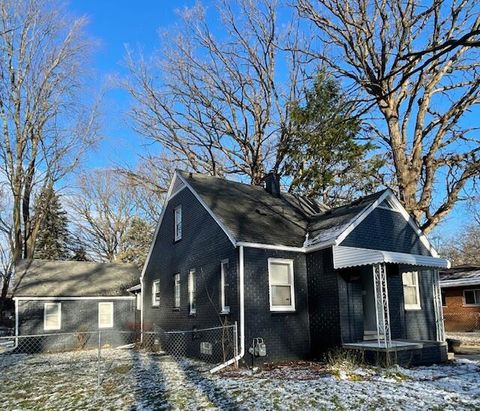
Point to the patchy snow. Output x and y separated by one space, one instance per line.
470 338
143 381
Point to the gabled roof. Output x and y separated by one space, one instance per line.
41 278
460 276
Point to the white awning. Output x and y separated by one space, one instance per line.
351 257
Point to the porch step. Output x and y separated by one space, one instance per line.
370 336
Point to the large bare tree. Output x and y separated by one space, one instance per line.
44 124
417 66
103 209
216 95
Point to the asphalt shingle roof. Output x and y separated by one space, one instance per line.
41 278
461 273
253 215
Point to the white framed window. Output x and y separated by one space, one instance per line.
192 292
52 316
471 297
281 284
105 315
224 288
138 299
176 290
178 222
156 293
411 290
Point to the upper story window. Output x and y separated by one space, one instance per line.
282 292
176 290
52 316
105 315
156 293
224 288
411 290
178 222
192 292
471 297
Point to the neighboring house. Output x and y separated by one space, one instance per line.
54 297
303 277
461 298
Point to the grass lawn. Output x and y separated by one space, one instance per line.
133 380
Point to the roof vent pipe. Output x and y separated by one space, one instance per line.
272 183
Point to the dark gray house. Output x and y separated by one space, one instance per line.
303 277
56 297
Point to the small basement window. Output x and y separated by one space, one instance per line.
411 290
178 223
282 292
224 288
105 315
52 316
176 290
156 293
471 297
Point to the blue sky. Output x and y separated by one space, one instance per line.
114 24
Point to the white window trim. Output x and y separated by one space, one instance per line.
110 323
177 212
155 290
59 309
282 308
192 291
138 301
224 309
177 304
411 307
477 304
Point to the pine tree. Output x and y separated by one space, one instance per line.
53 240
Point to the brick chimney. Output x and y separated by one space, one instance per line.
272 184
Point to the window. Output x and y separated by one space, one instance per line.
192 291
282 293
178 223
105 315
176 290
156 293
52 316
411 291
444 299
471 297
224 288
138 298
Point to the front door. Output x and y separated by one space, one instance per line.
368 293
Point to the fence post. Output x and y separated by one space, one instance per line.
235 344
99 355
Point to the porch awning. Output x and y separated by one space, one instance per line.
344 257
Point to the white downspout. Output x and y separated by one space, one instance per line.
16 323
142 294
240 355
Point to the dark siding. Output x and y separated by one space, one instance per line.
77 315
203 246
386 230
286 335
323 302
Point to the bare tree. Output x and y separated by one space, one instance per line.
417 66
102 210
216 96
45 127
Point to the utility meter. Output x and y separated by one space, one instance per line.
258 348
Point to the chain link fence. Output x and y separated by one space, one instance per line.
462 321
93 353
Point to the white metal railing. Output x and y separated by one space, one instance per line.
382 310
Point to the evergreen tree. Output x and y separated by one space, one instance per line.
136 242
324 157
53 239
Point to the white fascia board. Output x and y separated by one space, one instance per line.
57 298
271 247
200 200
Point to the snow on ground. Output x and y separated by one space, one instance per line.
471 338
145 381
